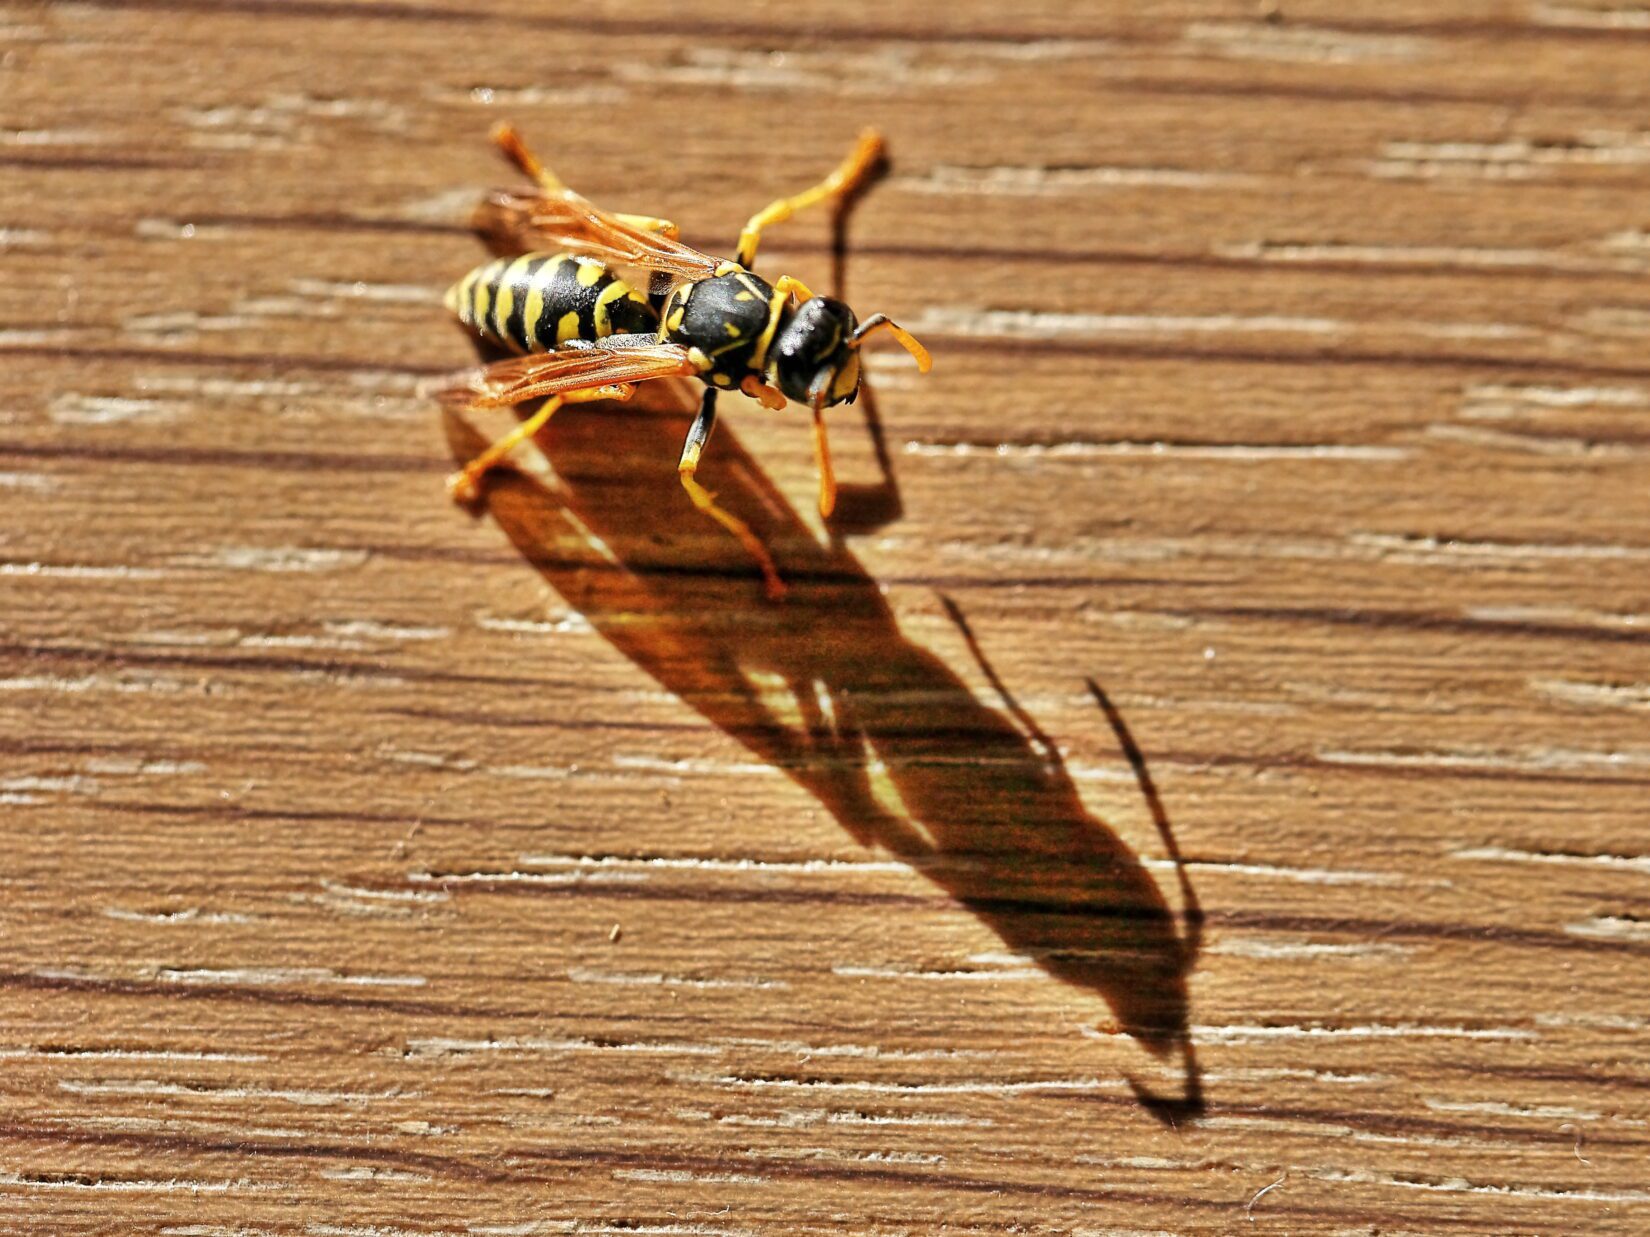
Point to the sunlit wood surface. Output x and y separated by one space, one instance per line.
374 868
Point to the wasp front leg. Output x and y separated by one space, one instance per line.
790 285
822 462
698 434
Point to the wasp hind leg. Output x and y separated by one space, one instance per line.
647 223
465 484
698 434
854 171
514 148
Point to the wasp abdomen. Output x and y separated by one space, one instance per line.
539 301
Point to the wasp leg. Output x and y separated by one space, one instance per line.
698 434
854 171
788 285
771 398
822 460
648 223
512 146
465 484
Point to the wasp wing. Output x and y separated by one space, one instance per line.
525 222
514 380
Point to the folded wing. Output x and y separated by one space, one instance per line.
526 222
616 360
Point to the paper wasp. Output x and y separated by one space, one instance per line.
584 334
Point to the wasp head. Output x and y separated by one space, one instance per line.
815 356
815 359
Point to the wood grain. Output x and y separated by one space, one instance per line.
376 869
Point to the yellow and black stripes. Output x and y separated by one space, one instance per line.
539 301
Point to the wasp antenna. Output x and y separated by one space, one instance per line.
907 340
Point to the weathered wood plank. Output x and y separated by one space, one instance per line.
376 869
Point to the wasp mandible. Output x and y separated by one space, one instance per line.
585 334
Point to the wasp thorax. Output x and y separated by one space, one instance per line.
813 359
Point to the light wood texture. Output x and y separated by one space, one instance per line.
373 869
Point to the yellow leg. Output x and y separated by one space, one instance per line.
514 149
790 285
822 459
852 172
465 484
770 398
647 223
698 435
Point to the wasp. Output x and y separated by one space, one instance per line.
582 333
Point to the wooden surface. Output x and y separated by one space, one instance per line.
376 869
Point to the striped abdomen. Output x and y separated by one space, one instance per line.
541 300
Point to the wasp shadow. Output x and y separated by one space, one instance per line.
826 688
